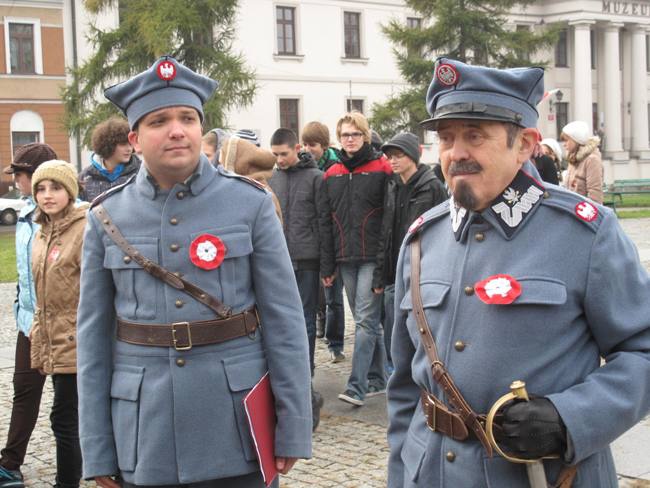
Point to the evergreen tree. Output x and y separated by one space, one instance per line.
198 33
471 31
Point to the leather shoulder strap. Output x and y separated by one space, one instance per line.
438 370
155 269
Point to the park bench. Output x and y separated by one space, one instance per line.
616 190
622 187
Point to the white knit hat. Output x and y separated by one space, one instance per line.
578 130
554 146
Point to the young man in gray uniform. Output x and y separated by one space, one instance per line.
164 366
496 302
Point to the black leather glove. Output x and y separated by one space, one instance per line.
531 429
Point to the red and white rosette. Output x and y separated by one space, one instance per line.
207 251
500 289
586 211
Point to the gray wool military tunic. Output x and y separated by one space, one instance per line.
583 295
161 416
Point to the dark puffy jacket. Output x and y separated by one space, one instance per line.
92 183
423 191
355 200
300 192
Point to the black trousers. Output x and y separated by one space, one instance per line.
65 426
253 480
28 388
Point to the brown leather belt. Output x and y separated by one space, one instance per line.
440 419
182 336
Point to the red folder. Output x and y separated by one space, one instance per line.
260 410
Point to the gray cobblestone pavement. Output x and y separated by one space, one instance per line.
350 447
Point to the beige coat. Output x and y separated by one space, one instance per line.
246 159
56 266
586 171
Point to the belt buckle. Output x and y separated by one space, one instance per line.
431 421
175 339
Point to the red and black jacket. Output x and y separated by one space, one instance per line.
355 194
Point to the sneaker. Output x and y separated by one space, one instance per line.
375 391
11 478
320 326
337 356
351 397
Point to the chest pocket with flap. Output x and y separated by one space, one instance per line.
223 282
136 290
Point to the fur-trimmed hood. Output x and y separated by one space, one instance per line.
585 150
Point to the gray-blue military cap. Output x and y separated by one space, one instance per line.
166 84
461 91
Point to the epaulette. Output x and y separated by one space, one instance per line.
581 208
245 179
427 218
103 196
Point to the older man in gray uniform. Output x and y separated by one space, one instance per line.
164 365
511 279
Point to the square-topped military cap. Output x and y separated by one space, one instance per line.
462 91
167 83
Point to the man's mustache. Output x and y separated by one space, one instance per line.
464 167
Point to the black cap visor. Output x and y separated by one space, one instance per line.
472 111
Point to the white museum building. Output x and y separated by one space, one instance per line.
316 59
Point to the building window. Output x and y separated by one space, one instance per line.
521 53
354 105
25 126
352 30
289 114
285 18
594 118
592 42
21 138
21 45
23 53
561 116
562 50
414 22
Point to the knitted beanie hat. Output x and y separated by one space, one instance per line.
577 130
554 146
407 143
59 171
29 157
248 135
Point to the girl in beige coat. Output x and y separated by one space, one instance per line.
585 163
56 266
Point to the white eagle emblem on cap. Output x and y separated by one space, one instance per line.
166 71
447 74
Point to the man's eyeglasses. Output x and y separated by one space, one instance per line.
351 135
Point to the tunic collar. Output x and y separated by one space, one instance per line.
195 184
507 213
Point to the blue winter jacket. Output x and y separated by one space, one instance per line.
26 299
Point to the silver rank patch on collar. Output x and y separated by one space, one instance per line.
515 203
458 217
